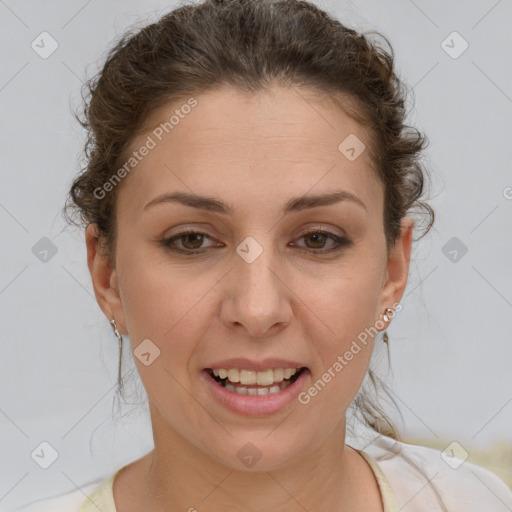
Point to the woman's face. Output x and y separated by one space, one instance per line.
252 290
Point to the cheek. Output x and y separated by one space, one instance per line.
343 311
159 303
347 302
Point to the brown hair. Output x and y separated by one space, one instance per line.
250 44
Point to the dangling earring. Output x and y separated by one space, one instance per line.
388 312
120 338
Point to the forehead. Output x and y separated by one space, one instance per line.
235 141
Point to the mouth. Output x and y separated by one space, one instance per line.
255 383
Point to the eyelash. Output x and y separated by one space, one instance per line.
341 242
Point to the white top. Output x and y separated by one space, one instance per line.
413 480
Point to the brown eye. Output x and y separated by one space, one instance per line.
192 240
318 240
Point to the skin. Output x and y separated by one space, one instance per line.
254 151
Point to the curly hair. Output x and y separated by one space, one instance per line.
250 45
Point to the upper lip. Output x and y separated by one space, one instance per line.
243 363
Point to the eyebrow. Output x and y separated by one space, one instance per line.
295 204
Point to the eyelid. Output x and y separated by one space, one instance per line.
340 241
326 229
300 232
172 238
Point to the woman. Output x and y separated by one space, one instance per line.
248 203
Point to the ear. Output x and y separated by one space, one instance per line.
397 268
104 280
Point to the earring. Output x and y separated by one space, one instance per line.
388 312
120 338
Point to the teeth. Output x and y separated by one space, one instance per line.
267 382
278 375
233 375
251 377
265 378
270 390
259 391
288 372
247 376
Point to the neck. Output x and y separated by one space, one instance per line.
180 476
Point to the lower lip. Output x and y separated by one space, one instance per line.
255 405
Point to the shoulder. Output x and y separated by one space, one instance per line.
423 477
69 502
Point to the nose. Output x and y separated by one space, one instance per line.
257 298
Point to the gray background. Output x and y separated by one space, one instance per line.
451 350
